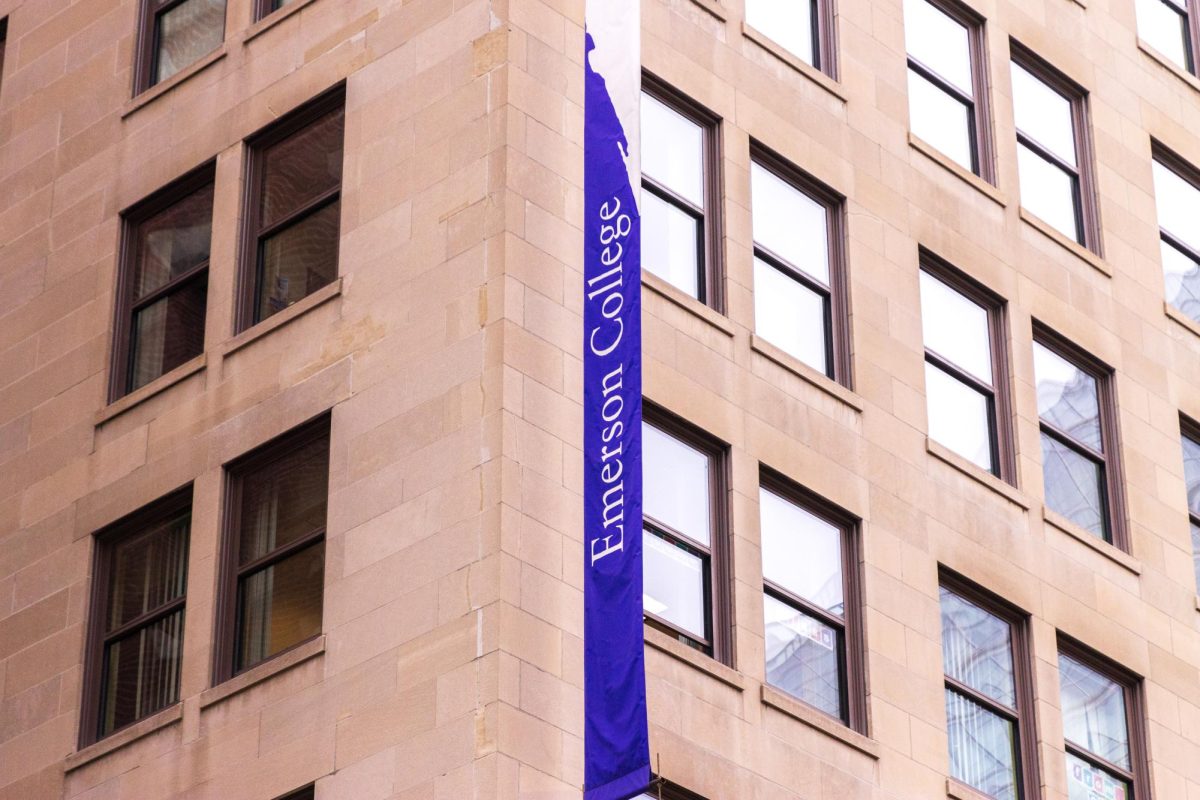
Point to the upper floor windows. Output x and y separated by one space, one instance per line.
1170 28
802 27
1191 473
173 35
1177 196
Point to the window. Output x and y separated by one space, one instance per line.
1177 194
1053 149
965 368
1077 410
989 693
136 630
294 208
3 47
679 194
662 789
1170 28
947 84
276 547
1191 473
799 282
163 285
685 590
810 601
261 9
302 794
1102 726
174 35
803 27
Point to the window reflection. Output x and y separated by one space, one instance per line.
791 23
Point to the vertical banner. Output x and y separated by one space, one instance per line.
616 739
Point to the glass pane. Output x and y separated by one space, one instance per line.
673 584
977 649
983 751
673 150
1183 281
1048 192
790 315
940 119
169 332
284 501
675 484
956 328
1178 203
671 243
1191 472
1164 28
1068 397
280 606
959 417
801 552
790 224
803 656
1073 486
1085 782
939 42
148 571
1093 708
187 32
299 260
173 242
302 167
788 22
141 673
1196 553
1043 114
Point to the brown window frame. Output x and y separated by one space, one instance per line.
129 526
824 38
718 600
711 271
1190 429
1192 38
253 232
1113 502
1087 204
852 657
145 62
1004 458
837 293
1024 717
264 8
1190 174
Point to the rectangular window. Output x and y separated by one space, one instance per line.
1177 195
1170 28
163 285
989 693
684 560
1053 148
966 368
661 789
294 208
274 590
811 601
174 35
680 240
799 275
802 27
947 82
264 7
1077 413
136 629
1191 474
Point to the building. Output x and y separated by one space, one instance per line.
290 399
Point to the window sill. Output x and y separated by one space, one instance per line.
714 8
954 168
797 710
960 791
274 18
977 474
795 62
277 664
275 321
1174 68
694 658
1179 318
159 89
806 373
154 387
667 291
1075 248
1109 551
138 730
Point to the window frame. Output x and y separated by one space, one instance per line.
146 45
1189 174
303 793
662 789
852 660
1190 429
3 48
262 10
1191 40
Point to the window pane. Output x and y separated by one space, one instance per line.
1043 114
939 42
801 552
671 243
1068 397
299 260
1164 28
940 119
148 571
977 649
1093 708
168 332
280 606
302 167
1196 553
187 32
1073 486
1183 281
959 417
676 484
788 22
983 751
1085 782
1178 203
802 656
673 150
956 328
172 242
1191 472
1048 192
673 584
790 224
284 500
141 673
790 315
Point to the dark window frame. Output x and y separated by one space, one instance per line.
852 656
3 48
145 62
264 8
130 526
662 789
718 590
303 793
1187 172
